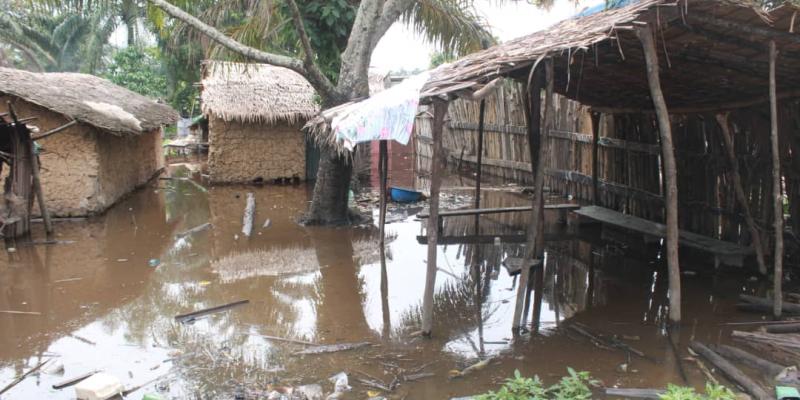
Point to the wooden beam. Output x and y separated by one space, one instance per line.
741 197
751 32
701 109
595 163
645 35
437 167
777 197
54 130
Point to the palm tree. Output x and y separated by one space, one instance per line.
330 43
56 40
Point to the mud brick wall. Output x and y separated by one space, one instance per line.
84 170
243 152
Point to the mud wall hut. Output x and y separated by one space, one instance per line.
112 146
255 114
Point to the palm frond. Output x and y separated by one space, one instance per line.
451 25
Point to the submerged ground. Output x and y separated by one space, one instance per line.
108 295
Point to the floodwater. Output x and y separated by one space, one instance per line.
108 294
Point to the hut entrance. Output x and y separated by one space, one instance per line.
22 184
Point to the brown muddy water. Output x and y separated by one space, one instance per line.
105 307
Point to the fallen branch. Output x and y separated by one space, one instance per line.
22 377
194 230
71 381
745 358
783 328
791 341
735 374
332 348
13 312
765 302
635 393
192 316
280 339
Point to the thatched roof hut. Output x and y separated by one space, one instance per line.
256 93
255 112
88 99
107 139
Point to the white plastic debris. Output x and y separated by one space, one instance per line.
340 385
309 392
55 367
100 386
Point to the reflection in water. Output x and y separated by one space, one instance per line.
105 307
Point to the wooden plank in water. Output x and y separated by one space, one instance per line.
641 225
190 317
486 239
501 210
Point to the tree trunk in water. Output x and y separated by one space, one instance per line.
777 198
645 35
329 202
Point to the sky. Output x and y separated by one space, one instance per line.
403 49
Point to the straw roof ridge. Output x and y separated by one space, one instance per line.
88 99
249 92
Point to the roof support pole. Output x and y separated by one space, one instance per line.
383 166
481 116
645 35
595 149
741 197
437 166
777 192
537 150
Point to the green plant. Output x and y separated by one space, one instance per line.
574 386
518 387
713 392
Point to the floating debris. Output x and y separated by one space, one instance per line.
332 348
271 262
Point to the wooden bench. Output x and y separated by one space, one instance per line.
723 252
562 208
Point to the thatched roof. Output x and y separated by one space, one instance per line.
712 52
88 99
256 93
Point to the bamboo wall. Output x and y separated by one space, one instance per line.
629 161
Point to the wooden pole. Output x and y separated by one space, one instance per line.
595 166
20 175
777 198
439 112
735 374
37 187
645 35
55 130
481 116
383 158
741 197
534 116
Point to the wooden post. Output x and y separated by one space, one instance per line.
481 116
645 35
439 112
777 198
20 176
741 197
534 116
595 149
383 166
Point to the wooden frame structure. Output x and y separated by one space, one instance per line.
638 59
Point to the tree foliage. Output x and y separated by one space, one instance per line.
138 69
